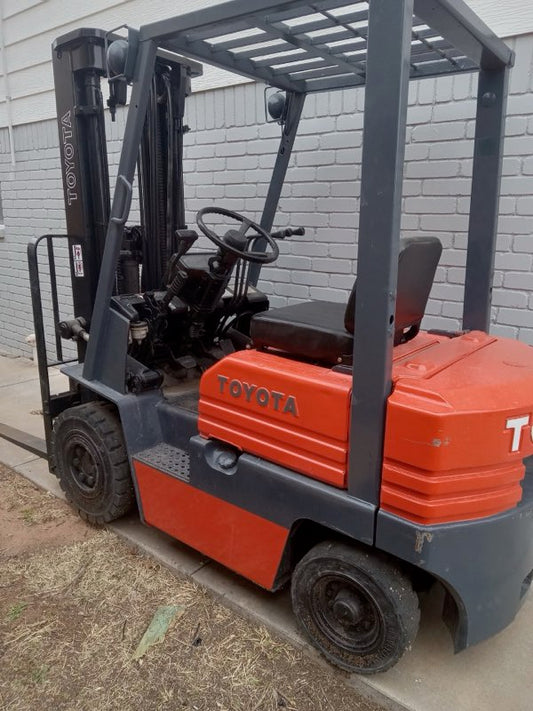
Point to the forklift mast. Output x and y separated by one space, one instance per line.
79 63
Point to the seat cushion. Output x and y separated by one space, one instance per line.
313 330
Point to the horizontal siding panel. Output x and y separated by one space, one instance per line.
30 27
14 7
32 49
56 14
505 17
33 80
28 58
30 108
52 15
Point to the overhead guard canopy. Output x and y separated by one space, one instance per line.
308 46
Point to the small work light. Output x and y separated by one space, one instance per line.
275 106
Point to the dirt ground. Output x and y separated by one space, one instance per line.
75 602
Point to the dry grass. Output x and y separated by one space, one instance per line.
34 507
71 618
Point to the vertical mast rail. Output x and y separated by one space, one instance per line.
485 196
289 130
389 49
100 350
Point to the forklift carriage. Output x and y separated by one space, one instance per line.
339 447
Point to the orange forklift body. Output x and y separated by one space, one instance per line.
242 541
450 440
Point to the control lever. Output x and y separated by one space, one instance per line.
288 232
185 240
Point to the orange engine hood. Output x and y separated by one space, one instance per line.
458 427
452 400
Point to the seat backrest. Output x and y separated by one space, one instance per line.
417 263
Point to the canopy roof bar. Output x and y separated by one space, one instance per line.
315 45
455 21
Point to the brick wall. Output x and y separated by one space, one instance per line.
229 152
32 200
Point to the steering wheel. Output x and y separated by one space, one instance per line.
246 224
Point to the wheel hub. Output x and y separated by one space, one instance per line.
346 613
83 467
347 608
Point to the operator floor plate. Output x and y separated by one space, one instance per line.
166 458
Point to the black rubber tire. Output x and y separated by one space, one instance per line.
100 489
358 608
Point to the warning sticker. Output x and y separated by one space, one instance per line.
78 260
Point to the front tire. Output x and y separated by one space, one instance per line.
358 608
92 463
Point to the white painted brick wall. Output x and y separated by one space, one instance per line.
229 152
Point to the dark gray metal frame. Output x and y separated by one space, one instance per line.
295 105
484 202
379 239
53 405
109 330
322 63
299 59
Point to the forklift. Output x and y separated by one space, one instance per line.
338 448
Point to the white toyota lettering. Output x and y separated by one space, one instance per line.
517 424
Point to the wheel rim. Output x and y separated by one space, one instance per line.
83 465
347 613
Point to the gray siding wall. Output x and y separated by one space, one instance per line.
229 152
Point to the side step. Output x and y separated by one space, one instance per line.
166 458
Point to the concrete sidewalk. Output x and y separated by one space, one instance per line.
496 675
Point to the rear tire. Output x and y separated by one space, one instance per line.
92 463
358 608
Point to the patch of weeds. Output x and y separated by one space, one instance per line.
38 675
28 516
16 610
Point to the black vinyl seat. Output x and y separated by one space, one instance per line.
322 331
313 329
